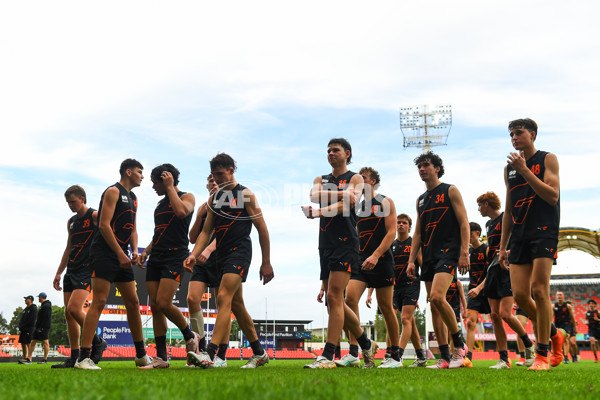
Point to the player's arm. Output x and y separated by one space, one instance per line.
463 299
144 256
389 210
548 188
322 293
133 242
415 247
255 213
320 196
507 224
195 229
203 257
95 218
110 197
461 215
63 261
209 226
572 315
182 206
369 297
344 199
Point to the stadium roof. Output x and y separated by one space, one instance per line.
581 239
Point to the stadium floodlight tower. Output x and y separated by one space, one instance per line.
425 127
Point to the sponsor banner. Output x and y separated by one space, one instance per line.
116 333
492 337
9 340
175 333
266 343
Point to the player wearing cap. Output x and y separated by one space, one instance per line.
26 327
43 323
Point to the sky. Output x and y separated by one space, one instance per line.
85 85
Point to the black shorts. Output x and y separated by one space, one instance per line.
25 337
236 262
380 276
338 259
594 333
207 273
497 283
567 328
108 268
168 266
77 280
479 304
40 334
519 311
406 294
429 269
525 251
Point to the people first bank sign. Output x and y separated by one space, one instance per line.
116 333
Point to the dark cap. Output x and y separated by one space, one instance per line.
30 297
42 295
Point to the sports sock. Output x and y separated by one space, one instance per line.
420 354
504 355
445 352
542 349
470 355
161 346
257 348
197 322
202 344
363 341
457 340
522 354
553 330
84 352
566 357
400 352
222 350
338 352
140 350
354 350
328 351
74 354
187 333
526 341
395 353
211 350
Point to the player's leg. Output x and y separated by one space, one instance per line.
31 349
46 346
196 290
101 289
440 330
407 319
386 305
500 333
594 347
134 319
354 291
167 291
506 304
472 316
520 346
573 347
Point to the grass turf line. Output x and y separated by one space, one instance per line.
285 379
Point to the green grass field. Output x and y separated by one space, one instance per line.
285 379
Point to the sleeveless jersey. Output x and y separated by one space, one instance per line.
122 222
371 227
232 222
561 314
592 323
82 232
494 234
532 216
340 230
170 232
440 232
401 252
478 270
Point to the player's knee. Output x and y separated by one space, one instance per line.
438 300
131 303
351 301
164 305
540 293
224 300
406 320
495 317
334 300
471 324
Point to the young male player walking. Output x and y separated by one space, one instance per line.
442 232
531 222
337 194
232 212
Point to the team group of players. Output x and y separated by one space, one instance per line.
357 249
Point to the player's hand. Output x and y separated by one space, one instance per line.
56 282
142 259
369 301
517 161
266 272
352 199
124 261
417 306
167 179
189 262
370 263
473 293
320 295
503 259
411 270
135 256
203 257
310 212
515 306
463 264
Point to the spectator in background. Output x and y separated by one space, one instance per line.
26 326
42 326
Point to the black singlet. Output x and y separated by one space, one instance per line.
340 230
82 231
170 232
